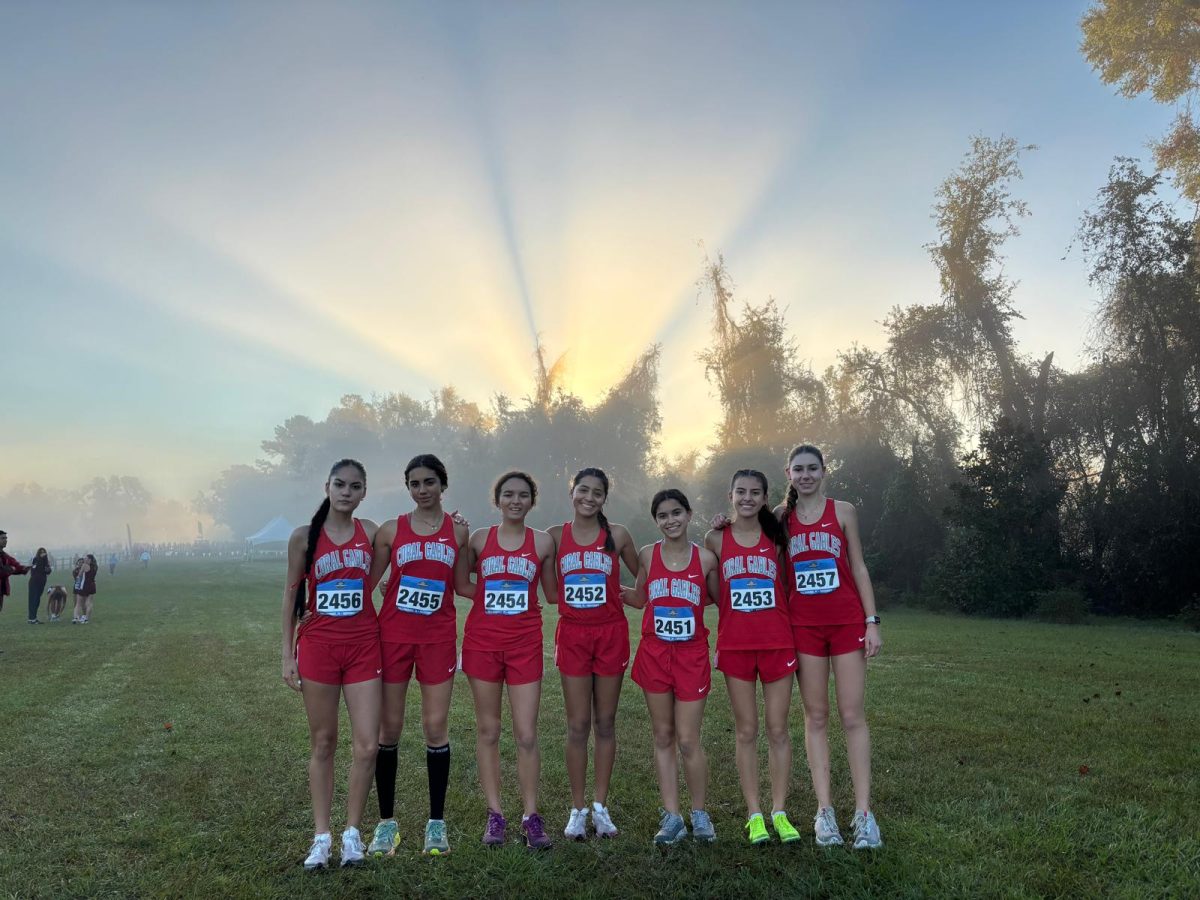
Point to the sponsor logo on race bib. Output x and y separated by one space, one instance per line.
340 598
674 623
751 594
420 596
584 590
503 597
816 576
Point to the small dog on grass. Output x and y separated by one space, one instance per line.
57 602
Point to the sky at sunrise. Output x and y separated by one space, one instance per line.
218 215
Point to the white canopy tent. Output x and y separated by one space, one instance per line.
277 531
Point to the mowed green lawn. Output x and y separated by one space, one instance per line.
155 752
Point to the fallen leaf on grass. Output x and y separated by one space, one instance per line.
166 726
1083 770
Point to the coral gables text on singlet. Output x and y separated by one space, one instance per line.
339 604
505 612
418 607
753 601
589 580
674 600
823 589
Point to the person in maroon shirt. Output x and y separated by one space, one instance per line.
8 566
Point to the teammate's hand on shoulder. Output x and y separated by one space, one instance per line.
719 521
459 519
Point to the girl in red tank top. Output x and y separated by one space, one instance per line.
676 580
754 643
502 642
834 626
591 642
423 554
336 652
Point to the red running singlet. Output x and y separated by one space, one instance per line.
674 600
505 613
589 581
823 588
339 603
753 603
418 607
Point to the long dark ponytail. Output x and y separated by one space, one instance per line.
792 494
314 535
592 472
766 519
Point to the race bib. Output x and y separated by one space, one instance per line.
674 623
505 598
584 590
420 596
751 594
817 576
340 598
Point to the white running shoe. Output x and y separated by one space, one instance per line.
83 620
826 829
866 831
318 853
354 852
602 821
576 829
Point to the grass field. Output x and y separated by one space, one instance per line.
155 752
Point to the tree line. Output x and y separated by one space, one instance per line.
989 481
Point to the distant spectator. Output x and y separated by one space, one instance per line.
112 563
8 566
39 570
85 588
145 559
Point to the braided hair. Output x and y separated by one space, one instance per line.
766 519
314 534
792 494
592 472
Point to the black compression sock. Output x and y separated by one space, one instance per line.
385 780
437 763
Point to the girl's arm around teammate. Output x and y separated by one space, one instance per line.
381 553
547 555
464 586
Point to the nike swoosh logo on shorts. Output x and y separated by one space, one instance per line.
791 662
702 690
624 664
453 669
379 671
861 639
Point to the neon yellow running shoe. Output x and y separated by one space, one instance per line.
758 829
784 828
